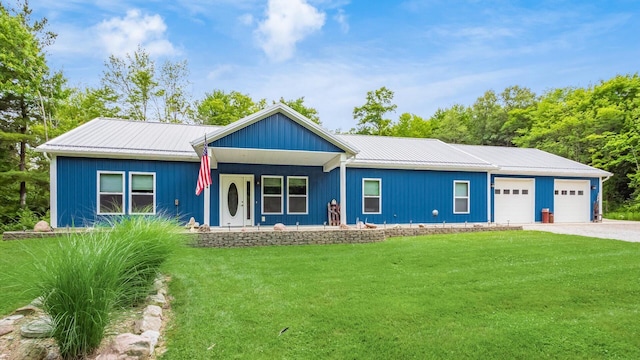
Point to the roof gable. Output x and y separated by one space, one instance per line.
275 128
276 131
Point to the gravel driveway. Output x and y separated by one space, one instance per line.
608 229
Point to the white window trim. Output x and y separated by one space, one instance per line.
306 196
468 197
98 193
262 195
131 173
379 180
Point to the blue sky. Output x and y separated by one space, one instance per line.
432 54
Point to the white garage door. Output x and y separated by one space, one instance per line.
514 201
571 201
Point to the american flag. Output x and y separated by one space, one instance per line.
204 176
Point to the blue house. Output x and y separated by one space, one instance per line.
276 166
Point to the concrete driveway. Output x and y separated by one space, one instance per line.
608 229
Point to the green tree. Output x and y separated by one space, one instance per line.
299 106
452 124
175 100
370 116
27 95
220 108
132 80
487 118
411 125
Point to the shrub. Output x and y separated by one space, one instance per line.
96 272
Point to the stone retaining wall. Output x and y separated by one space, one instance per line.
21 235
252 237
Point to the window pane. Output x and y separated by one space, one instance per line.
142 183
142 203
462 205
297 186
272 204
506 191
462 189
111 183
497 191
110 203
371 188
371 205
298 205
272 186
516 191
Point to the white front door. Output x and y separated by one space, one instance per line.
236 200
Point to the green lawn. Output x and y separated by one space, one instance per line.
486 295
17 272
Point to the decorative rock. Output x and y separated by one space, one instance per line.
279 227
31 350
53 354
360 225
152 310
371 226
38 328
153 337
421 226
158 284
204 228
344 227
6 329
132 345
10 320
37 302
147 323
26 310
191 223
42 226
157 299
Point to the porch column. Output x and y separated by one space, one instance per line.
343 189
600 209
207 206
53 191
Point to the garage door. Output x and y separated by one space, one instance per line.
513 201
571 201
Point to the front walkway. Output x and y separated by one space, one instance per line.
608 229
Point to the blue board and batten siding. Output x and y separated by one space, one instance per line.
412 195
544 192
322 188
77 188
276 132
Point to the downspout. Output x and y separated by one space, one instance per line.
489 192
600 195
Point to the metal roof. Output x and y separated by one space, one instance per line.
417 153
527 161
116 138
108 137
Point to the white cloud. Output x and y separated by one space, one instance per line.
246 19
120 36
287 23
342 19
218 71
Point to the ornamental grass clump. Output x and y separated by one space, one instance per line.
93 274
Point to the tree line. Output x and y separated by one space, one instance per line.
597 125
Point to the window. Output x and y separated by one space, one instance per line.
525 192
506 191
572 192
297 192
516 191
497 191
563 192
580 192
556 192
371 196
142 193
461 197
272 194
110 192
